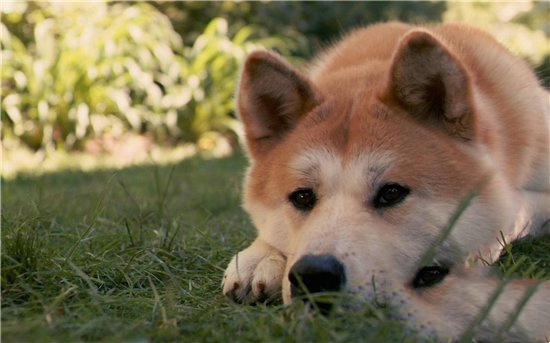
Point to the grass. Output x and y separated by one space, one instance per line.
137 255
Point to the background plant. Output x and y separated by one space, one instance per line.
72 71
214 62
523 27
90 68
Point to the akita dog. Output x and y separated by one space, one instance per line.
358 167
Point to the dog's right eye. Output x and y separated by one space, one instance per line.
429 276
303 199
390 194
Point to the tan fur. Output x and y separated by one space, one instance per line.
444 110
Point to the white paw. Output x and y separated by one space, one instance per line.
254 275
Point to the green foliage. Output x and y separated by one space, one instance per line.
311 24
214 62
527 258
102 69
520 26
89 68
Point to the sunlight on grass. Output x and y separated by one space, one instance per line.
133 153
25 161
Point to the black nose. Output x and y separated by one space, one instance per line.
316 273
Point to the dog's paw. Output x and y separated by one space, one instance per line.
254 274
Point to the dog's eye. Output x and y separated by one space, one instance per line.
390 194
303 199
429 276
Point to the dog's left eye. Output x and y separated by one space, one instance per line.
303 199
429 276
390 194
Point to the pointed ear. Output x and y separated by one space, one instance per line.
272 98
431 84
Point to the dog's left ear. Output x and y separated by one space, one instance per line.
272 98
431 84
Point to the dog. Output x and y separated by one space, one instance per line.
400 143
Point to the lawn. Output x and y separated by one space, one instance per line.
137 255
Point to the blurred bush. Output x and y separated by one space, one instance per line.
312 24
214 63
522 26
72 71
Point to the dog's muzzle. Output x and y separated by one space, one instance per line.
316 274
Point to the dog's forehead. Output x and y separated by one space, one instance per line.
352 125
361 144
327 166
345 142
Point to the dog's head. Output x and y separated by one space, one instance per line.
355 174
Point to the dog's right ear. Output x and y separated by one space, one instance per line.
272 98
432 85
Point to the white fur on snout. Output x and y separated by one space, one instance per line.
325 168
341 224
